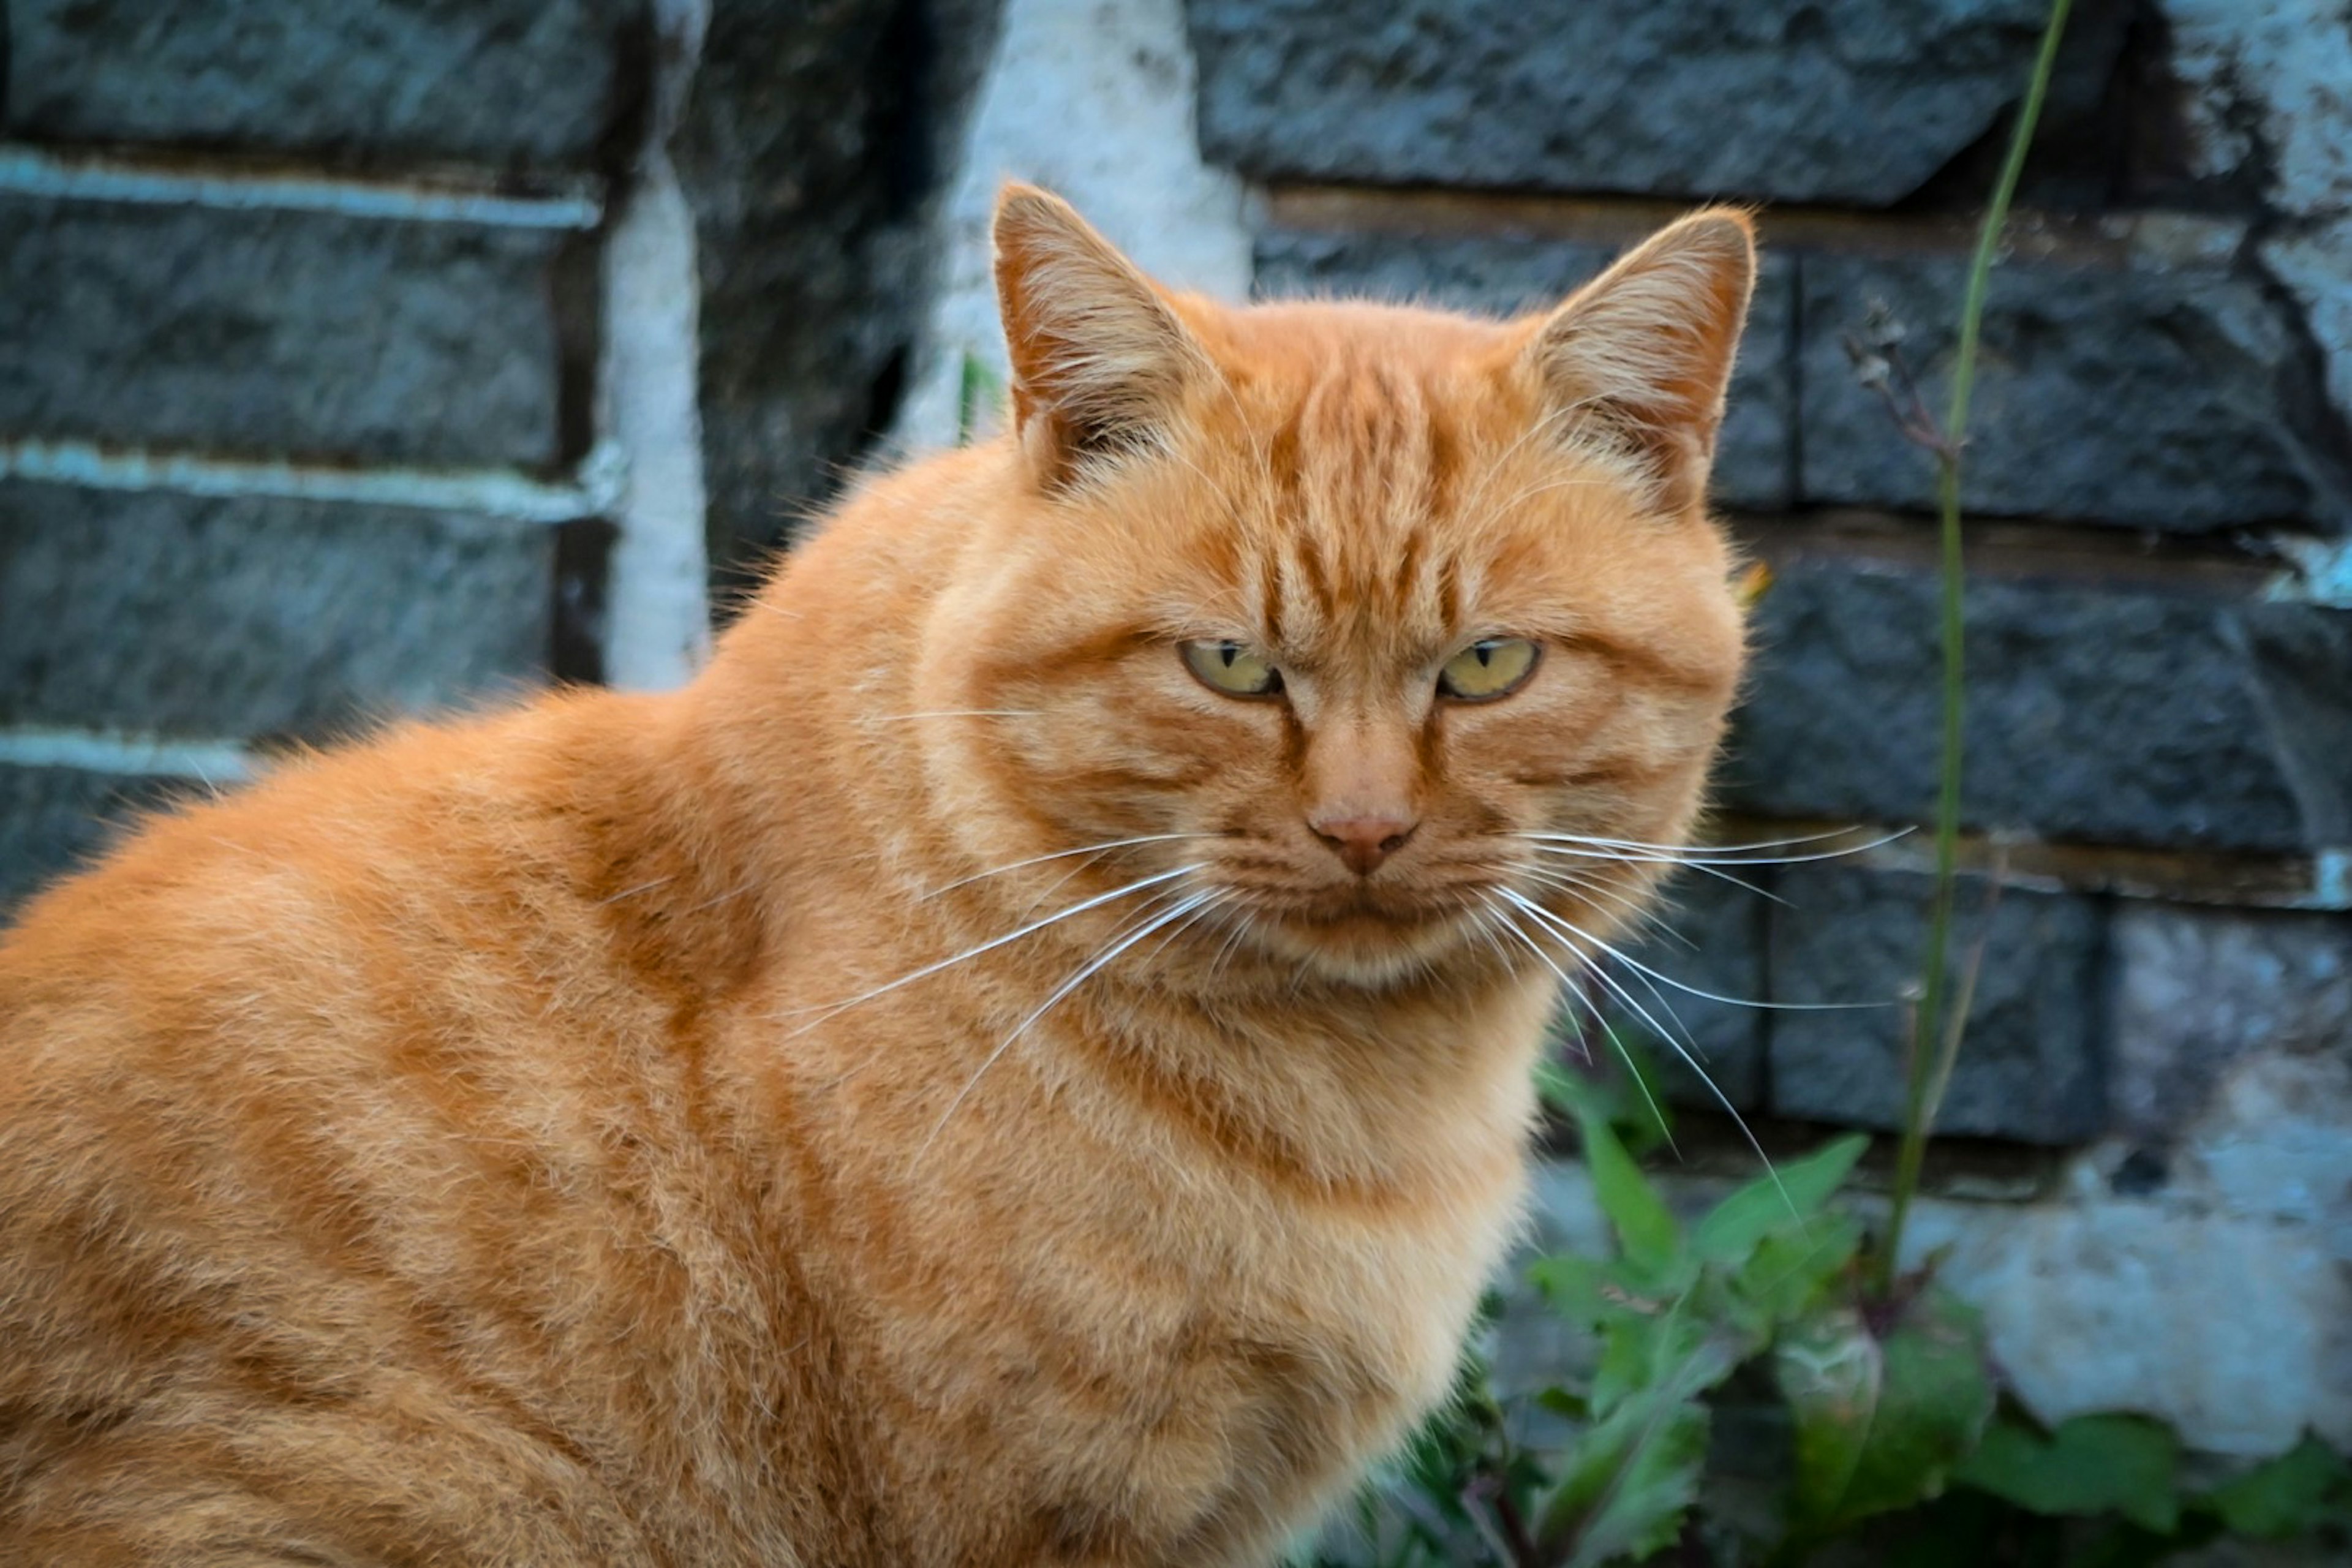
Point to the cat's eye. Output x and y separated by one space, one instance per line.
1488 669
1232 668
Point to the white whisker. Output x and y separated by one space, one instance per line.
1603 946
1063 855
640 888
1184 907
1533 946
1689 1054
827 1010
1718 854
1586 886
1614 858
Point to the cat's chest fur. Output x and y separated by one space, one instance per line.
1179 1293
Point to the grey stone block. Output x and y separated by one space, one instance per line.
2093 716
173 615
806 149
53 820
1508 275
276 332
2031 1067
2198 990
498 82
2179 399
1708 936
1855 100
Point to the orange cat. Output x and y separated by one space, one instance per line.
1025 1060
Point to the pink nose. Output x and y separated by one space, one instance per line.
1363 842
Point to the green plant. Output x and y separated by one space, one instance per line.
1888 1435
1937 1033
1882 1402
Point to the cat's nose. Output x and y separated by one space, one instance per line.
1361 843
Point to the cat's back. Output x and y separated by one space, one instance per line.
346 1129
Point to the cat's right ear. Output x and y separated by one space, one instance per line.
1099 361
1643 353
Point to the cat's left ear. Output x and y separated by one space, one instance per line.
1643 353
1100 360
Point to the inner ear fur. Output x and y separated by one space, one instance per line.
1642 355
1100 360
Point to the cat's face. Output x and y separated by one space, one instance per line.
1350 600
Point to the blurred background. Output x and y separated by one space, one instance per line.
361 357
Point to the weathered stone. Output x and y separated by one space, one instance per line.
2097 716
498 81
276 332
2169 398
2236 1332
2029 1071
1505 275
806 151
54 819
2264 93
1708 936
2198 990
1790 98
173 615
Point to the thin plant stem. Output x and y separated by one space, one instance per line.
1916 1113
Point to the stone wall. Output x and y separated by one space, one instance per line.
373 357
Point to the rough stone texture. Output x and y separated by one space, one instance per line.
1849 102
2265 111
2093 716
1095 103
806 152
2176 399
2236 1331
2032 1069
496 81
1505 274
276 332
173 615
2199 990
1709 935
53 819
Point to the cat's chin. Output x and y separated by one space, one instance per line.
1368 943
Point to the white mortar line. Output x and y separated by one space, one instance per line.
102 177
145 756
2322 574
487 492
656 609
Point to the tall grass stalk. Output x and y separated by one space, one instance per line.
1935 1039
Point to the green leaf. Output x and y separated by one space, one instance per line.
2307 1486
1587 1291
1830 1370
1790 1271
1880 1420
2091 1465
1732 1229
1630 1480
979 389
1646 1232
